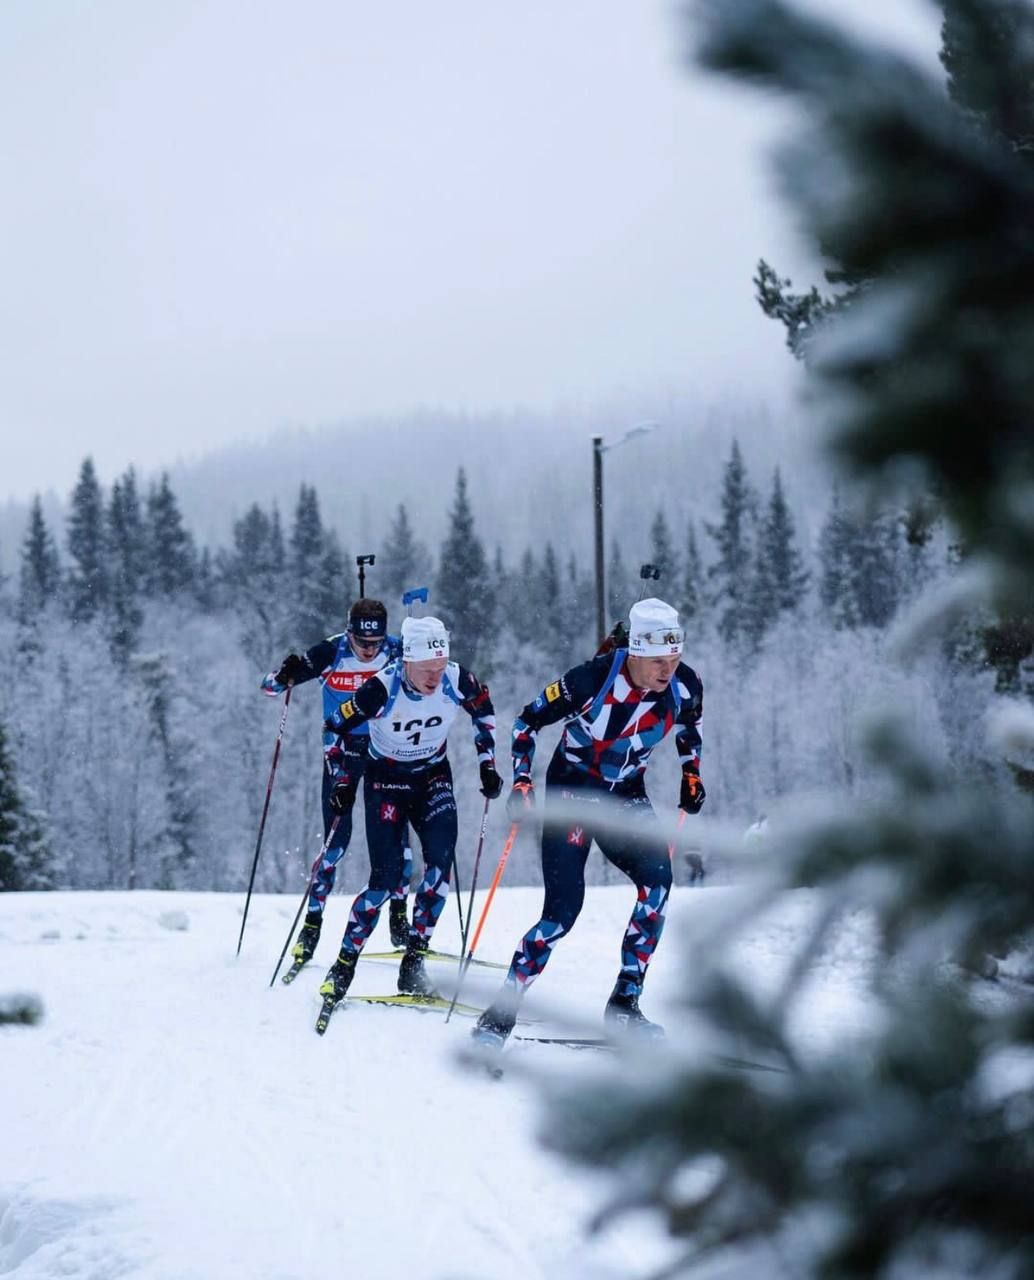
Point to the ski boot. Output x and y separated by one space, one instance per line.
398 923
495 1024
624 1016
339 976
308 937
413 978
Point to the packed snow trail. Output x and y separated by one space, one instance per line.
173 1118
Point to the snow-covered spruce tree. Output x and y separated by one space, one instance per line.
24 853
983 51
691 596
337 574
517 595
971 43
619 584
254 583
171 555
779 580
733 537
663 555
861 558
88 578
906 1150
464 586
580 615
171 754
978 43
799 313
403 561
320 587
39 579
128 564
551 632
206 588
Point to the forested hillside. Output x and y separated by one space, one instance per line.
136 744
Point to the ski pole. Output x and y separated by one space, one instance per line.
683 815
459 905
470 905
474 874
305 897
265 811
465 965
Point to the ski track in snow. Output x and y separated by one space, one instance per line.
174 1119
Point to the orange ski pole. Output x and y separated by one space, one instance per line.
683 815
465 965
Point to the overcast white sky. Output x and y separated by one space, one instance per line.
219 217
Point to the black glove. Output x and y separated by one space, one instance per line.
292 669
330 726
343 795
491 783
692 794
520 803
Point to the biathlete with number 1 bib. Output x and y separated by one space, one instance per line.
409 707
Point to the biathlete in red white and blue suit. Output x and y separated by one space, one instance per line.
617 708
342 664
409 707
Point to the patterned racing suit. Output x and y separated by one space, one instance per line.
595 791
408 779
334 664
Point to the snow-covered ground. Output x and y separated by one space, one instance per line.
172 1118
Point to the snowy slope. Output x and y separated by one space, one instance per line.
174 1119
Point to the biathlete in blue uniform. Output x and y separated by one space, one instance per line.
342 664
617 708
409 707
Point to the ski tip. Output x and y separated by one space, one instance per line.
324 1016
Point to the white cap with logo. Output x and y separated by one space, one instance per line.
423 639
654 630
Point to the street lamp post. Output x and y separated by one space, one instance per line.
597 503
598 450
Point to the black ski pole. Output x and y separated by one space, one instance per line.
474 874
305 897
361 562
457 895
469 955
265 811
